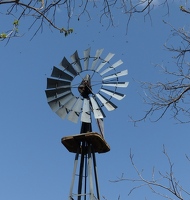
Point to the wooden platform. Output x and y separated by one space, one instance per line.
73 142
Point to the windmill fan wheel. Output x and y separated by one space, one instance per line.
92 95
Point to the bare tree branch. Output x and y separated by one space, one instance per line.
172 95
166 186
45 12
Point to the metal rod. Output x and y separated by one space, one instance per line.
90 172
85 183
96 174
74 173
81 171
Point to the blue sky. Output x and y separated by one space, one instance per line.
34 163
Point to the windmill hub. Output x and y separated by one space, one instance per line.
92 83
85 87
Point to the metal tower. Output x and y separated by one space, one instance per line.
92 94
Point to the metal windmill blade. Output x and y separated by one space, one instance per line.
68 67
86 58
63 110
75 111
118 63
76 61
106 60
70 105
86 116
116 75
108 104
96 58
57 73
115 84
96 109
114 94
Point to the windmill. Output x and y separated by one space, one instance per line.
80 89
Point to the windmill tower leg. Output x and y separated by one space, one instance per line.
90 173
74 172
96 174
82 174
92 160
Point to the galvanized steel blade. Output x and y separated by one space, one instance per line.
55 83
55 94
122 73
96 58
54 105
116 84
113 94
73 116
76 110
68 67
69 105
85 116
100 123
61 74
66 108
98 113
86 58
115 65
108 104
57 103
78 105
65 99
62 112
106 60
75 58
